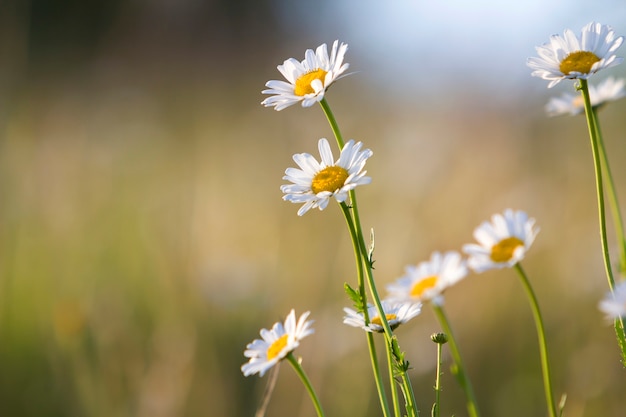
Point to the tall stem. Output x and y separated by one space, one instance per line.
370 337
394 388
356 234
594 135
390 339
436 406
333 122
541 337
305 380
612 194
472 407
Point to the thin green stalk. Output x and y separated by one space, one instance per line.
541 337
612 194
333 122
394 388
360 241
436 406
618 324
305 380
382 396
593 135
391 340
357 223
464 381
357 256
357 236
409 397
595 138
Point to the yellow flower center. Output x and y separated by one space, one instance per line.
579 61
378 321
427 283
329 179
503 250
277 347
303 83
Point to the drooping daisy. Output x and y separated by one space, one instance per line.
309 79
501 243
428 280
276 344
608 90
316 182
570 57
614 303
396 312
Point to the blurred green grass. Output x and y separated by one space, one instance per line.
143 243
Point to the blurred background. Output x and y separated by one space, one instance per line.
144 242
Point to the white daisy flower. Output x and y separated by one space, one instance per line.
316 182
503 242
428 280
396 312
309 79
276 344
608 90
570 57
614 303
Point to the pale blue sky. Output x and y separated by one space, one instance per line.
430 44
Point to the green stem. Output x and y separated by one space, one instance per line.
394 388
407 389
305 380
612 194
596 144
333 122
370 337
368 269
435 410
390 339
618 324
593 135
357 256
472 407
360 242
541 337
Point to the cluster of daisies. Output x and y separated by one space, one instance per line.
502 242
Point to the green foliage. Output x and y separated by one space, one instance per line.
355 297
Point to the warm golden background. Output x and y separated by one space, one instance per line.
144 243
